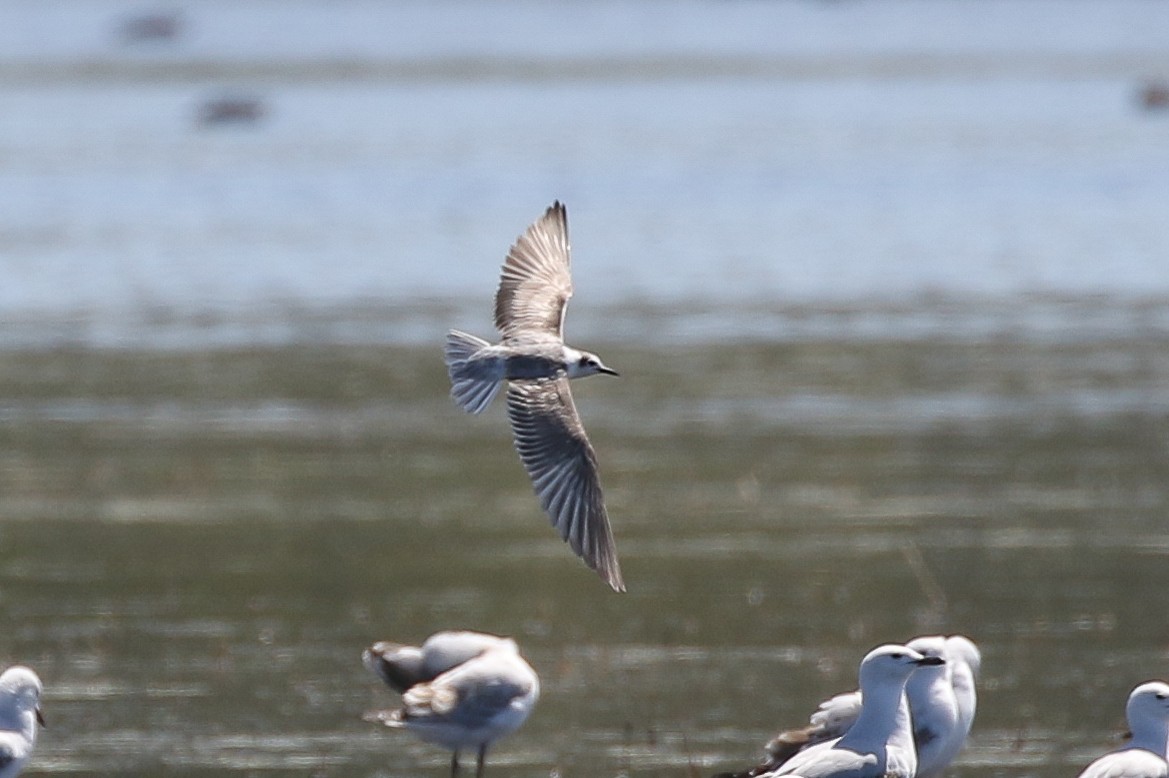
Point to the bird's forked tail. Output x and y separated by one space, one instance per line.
470 388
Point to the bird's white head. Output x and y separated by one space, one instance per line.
960 648
1149 702
929 646
893 664
583 363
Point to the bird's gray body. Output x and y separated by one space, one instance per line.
524 359
533 359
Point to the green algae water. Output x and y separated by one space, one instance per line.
196 544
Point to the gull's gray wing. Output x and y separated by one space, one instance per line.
535 282
471 694
557 454
825 760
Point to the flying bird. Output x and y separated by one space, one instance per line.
20 714
461 690
532 357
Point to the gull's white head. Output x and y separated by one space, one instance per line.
893 664
930 646
960 648
583 363
1148 702
20 693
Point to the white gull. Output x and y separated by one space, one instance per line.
1144 755
461 690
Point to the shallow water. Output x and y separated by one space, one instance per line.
197 545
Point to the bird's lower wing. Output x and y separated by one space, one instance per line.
557 454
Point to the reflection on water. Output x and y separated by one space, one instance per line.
196 545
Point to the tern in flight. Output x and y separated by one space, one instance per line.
534 360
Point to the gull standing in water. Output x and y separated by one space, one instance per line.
460 690
879 744
965 662
941 721
941 704
532 357
1144 755
20 713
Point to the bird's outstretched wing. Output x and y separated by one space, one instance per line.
535 282
561 462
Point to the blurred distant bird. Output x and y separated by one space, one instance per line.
1144 755
459 689
529 312
154 26
20 713
1154 96
941 701
231 109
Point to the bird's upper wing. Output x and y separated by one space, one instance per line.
832 719
825 760
535 282
836 715
557 454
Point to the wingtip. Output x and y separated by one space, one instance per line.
610 573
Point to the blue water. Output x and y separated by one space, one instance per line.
712 154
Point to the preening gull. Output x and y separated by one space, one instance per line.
461 690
